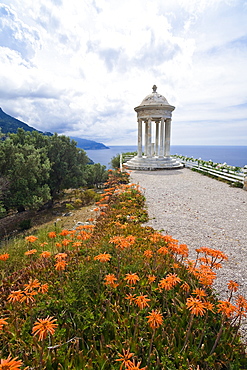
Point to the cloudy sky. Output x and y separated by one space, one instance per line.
79 67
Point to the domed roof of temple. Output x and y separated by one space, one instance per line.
154 99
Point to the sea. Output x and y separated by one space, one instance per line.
232 155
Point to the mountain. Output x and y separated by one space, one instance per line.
10 124
88 144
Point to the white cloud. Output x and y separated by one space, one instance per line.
80 67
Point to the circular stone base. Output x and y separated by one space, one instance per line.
153 163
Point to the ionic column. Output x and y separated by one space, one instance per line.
167 137
146 139
149 138
161 153
157 139
139 154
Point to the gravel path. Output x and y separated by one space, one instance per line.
200 211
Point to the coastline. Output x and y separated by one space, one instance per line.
232 155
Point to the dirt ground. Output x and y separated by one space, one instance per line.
68 219
10 226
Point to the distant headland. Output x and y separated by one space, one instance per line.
10 124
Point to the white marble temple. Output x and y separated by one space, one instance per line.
154 116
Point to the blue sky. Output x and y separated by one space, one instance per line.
80 67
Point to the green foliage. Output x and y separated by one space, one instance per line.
115 161
67 164
82 197
27 170
38 168
98 321
69 206
25 224
95 175
237 184
2 210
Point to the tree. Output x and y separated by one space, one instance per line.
27 171
38 168
115 161
95 174
4 185
67 164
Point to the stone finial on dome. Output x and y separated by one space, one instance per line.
154 88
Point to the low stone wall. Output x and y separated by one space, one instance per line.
245 183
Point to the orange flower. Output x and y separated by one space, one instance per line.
151 278
64 232
76 244
43 244
43 327
135 366
168 238
66 242
4 257
141 301
103 205
15 296
43 288
199 293
2 322
52 235
28 297
169 282
130 297
103 257
205 274
45 254
125 358
216 254
30 252
183 250
209 306
60 256
131 239
10 364
32 284
233 286
155 237
226 308
163 250
196 306
90 227
148 253
60 265
58 245
110 280
185 286
122 242
241 303
132 278
31 238
155 319
83 235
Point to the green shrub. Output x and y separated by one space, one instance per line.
25 224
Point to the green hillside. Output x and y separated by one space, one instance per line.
10 124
